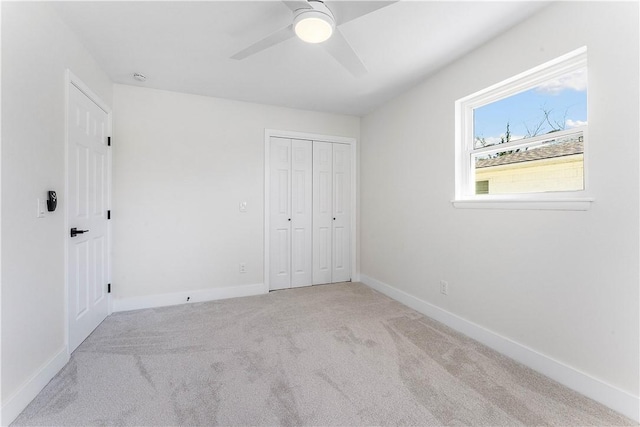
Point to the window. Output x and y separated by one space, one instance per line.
523 140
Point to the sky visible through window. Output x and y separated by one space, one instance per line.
557 104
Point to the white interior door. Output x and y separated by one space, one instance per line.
322 211
280 214
341 259
309 212
87 204
290 214
301 203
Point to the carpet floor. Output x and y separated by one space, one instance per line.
339 354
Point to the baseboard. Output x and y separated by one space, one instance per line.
616 399
19 400
176 298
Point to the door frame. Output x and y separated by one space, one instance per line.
352 142
73 80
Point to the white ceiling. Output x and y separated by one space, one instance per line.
185 46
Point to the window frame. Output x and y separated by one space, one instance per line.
465 196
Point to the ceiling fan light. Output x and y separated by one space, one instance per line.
313 27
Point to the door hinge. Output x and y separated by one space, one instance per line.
108 288
109 214
109 141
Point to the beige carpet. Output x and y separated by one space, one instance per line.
338 354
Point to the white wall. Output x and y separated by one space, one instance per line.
564 284
36 50
182 164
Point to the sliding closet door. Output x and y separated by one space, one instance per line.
341 260
280 214
322 211
301 203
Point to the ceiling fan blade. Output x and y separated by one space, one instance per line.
345 11
342 51
271 40
296 4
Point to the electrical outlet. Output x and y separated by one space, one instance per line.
243 267
444 287
243 206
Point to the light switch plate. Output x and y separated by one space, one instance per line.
243 206
41 209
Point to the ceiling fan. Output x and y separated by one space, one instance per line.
314 22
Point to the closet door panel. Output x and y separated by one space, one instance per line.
301 213
322 211
341 260
309 211
280 214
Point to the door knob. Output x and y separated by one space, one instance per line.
75 232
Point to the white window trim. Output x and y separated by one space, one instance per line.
465 196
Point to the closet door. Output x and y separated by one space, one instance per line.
290 232
341 248
280 214
309 213
301 215
322 211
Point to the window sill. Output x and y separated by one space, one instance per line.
583 204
